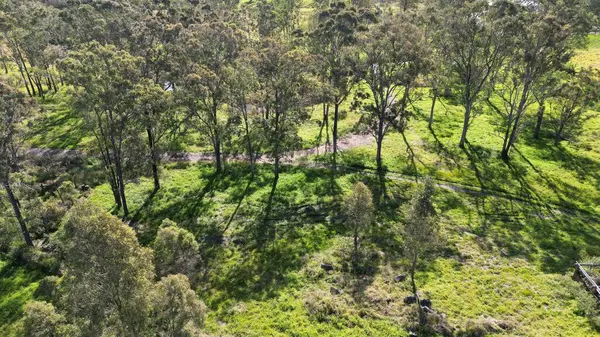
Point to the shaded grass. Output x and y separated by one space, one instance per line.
539 171
57 126
502 258
17 286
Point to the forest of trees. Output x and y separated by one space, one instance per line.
143 75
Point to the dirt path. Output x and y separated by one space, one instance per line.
346 143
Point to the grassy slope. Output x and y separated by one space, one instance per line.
502 259
17 286
591 56
566 175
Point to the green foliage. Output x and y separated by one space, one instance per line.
97 246
421 229
359 210
577 94
511 228
175 251
321 305
41 320
172 292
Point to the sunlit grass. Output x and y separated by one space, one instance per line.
589 57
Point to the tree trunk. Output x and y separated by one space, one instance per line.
153 158
513 135
121 185
379 145
48 82
218 164
5 66
29 78
217 140
53 84
435 96
38 83
24 80
248 141
504 152
15 159
114 186
323 123
327 142
336 117
463 137
17 209
422 316
540 118
558 136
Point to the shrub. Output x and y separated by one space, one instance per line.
34 259
40 319
175 251
321 305
484 326
47 288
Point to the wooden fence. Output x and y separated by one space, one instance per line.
583 276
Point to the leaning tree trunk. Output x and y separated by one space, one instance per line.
27 73
5 66
24 80
17 209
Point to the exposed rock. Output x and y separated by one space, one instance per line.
428 310
400 278
410 300
426 302
327 266
335 291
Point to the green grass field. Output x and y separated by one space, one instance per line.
591 56
507 250
564 175
502 259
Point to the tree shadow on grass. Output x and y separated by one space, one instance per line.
304 205
48 130
547 237
16 288
260 274
443 152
